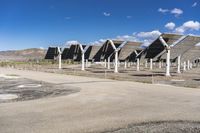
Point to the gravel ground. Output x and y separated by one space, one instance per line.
161 127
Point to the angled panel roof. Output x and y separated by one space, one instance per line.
74 52
65 53
156 48
52 53
181 47
106 50
192 54
128 49
91 51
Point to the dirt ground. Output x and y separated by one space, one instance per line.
189 78
101 105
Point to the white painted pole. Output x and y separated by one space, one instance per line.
60 61
108 62
146 64
188 65
129 64
138 64
105 63
83 62
125 64
191 65
184 66
116 61
151 64
168 63
86 63
179 65
160 64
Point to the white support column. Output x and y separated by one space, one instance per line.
60 61
83 61
138 64
168 63
86 63
151 64
184 66
179 64
160 64
116 61
191 65
167 47
129 64
108 63
188 65
146 64
105 63
125 64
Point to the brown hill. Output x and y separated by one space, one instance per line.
22 55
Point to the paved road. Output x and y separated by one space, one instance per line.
101 105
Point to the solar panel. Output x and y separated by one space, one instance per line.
192 54
52 53
78 53
106 50
128 49
181 47
156 49
91 51
65 53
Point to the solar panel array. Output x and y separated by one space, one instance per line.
106 50
180 45
156 49
184 45
192 54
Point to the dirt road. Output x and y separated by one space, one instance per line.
101 105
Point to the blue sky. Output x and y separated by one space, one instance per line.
40 23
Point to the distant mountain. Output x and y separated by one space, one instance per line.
22 55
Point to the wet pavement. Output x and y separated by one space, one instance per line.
13 88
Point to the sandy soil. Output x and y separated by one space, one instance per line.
101 105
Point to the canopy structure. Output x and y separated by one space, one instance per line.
192 54
73 52
157 49
184 44
129 51
65 53
91 51
106 50
52 53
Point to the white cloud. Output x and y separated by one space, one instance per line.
72 42
145 37
189 25
194 4
152 34
163 10
127 38
107 14
176 12
170 25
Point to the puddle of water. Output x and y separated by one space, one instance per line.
29 86
8 96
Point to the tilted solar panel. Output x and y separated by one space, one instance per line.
52 53
106 50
